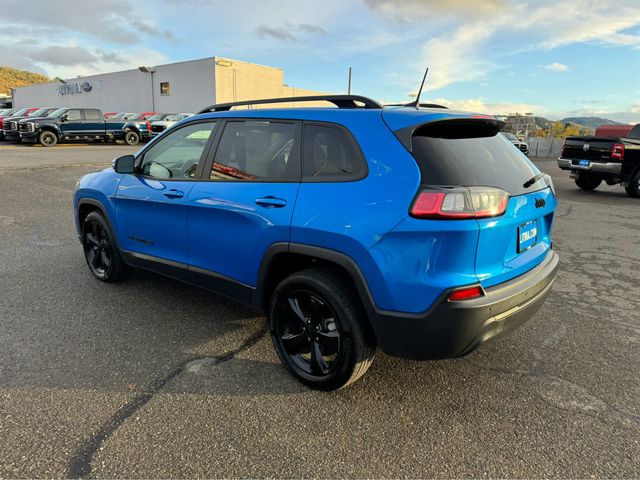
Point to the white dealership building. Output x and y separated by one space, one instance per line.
176 87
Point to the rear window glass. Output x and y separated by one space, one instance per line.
466 160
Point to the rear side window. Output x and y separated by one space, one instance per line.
330 154
255 150
91 115
465 155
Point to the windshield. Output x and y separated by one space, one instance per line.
20 112
472 158
129 116
118 115
57 113
175 118
38 113
157 117
509 136
137 116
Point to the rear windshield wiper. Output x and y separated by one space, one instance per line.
533 180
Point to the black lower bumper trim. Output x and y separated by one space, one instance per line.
454 329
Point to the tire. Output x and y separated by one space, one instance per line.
47 139
100 250
320 330
131 137
633 187
588 182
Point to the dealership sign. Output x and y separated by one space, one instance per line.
74 88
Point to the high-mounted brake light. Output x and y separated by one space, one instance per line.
459 203
466 294
617 152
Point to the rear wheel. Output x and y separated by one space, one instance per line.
586 181
100 250
47 139
319 329
131 137
633 187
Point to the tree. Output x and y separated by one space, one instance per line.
11 78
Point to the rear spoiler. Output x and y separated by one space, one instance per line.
452 127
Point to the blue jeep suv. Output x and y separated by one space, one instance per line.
417 229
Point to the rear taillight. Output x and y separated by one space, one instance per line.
564 148
459 202
466 293
617 152
148 124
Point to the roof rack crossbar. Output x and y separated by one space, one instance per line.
340 101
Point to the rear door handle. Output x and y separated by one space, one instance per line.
173 193
271 202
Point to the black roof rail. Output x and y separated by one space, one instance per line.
423 105
340 101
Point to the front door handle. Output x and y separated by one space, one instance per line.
173 193
271 202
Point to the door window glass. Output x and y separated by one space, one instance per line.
177 154
255 150
74 115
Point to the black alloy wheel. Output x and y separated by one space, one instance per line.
320 329
309 333
100 251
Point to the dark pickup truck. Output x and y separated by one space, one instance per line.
77 125
10 127
608 157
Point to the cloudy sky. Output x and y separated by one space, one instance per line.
551 57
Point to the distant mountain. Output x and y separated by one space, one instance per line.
590 122
11 78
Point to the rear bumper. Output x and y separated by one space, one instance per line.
454 329
599 167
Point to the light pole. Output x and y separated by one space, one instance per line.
150 70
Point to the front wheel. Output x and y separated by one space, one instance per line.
633 187
588 182
47 139
319 329
131 137
100 250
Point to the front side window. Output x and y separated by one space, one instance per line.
177 154
74 115
255 150
330 155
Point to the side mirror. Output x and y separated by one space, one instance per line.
124 164
64 118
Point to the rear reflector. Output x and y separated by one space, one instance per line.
459 202
617 152
466 294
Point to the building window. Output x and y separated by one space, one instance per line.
165 88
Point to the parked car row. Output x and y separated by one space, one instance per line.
49 126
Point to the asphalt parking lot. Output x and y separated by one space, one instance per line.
152 378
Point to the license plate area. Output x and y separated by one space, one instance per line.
527 235
584 163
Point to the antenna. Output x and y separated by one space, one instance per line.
416 102
349 88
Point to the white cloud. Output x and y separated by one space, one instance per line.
479 105
475 47
557 67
